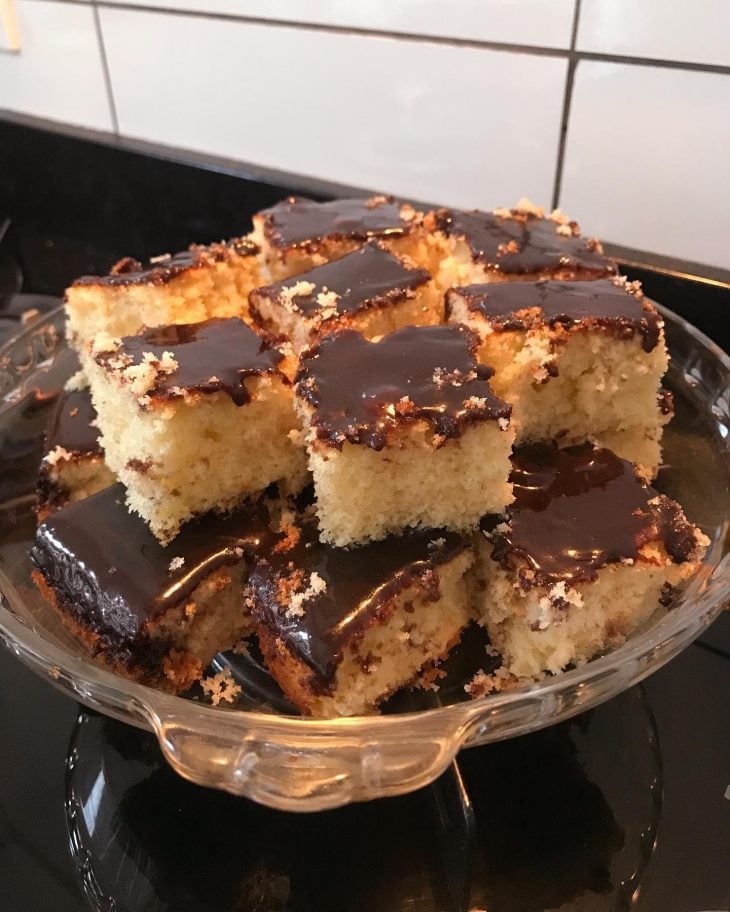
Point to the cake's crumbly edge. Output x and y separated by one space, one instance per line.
409 633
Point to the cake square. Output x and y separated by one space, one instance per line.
576 360
402 432
194 418
153 613
73 465
189 287
342 628
370 290
298 234
587 554
513 245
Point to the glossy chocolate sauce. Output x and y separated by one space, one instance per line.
217 355
300 222
368 277
522 245
105 564
71 426
360 584
162 269
362 390
600 302
579 509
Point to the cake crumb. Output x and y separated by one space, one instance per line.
502 212
562 593
408 213
526 207
503 423
296 601
220 686
58 454
76 382
560 217
441 377
141 377
482 683
564 230
327 300
508 247
104 343
299 289
176 564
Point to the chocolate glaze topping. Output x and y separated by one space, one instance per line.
602 302
300 222
359 586
70 425
103 560
362 390
368 277
214 356
579 509
522 244
162 269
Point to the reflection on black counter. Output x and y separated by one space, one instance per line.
557 820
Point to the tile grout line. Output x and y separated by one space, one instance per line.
528 49
565 116
105 68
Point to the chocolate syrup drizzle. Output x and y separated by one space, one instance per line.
300 222
600 302
161 270
217 355
360 390
579 509
368 277
361 584
537 244
104 562
70 426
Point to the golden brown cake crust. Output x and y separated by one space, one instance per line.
522 242
611 305
301 223
163 269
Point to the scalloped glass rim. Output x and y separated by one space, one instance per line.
307 764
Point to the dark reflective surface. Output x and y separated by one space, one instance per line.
562 816
563 819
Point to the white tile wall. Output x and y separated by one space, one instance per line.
697 31
458 125
647 162
645 145
58 72
546 23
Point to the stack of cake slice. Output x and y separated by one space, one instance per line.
428 376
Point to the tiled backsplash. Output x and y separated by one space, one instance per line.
617 110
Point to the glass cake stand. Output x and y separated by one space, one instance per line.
260 748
